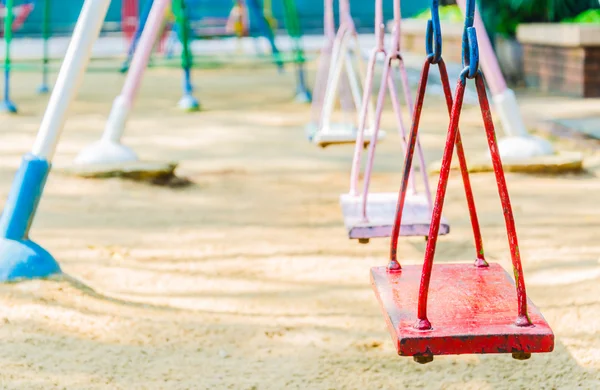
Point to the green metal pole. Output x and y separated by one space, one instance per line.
43 88
6 105
187 102
292 24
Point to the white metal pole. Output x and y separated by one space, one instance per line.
519 144
70 76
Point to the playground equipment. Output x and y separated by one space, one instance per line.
292 23
328 133
21 258
108 156
521 151
129 19
44 88
323 72
14 17
237 22
187 102
372 215
134 36
472 306
20 13
269 34
7 106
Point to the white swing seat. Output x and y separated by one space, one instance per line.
381 213
342 133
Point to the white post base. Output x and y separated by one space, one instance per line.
188 103
523 148
519 144
105 152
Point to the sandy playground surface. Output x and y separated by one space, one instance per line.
246 280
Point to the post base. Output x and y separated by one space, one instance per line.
521 148
105 152
188 103
43 89
310 130
21 258
303 96
8 107
24 259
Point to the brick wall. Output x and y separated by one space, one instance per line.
573 71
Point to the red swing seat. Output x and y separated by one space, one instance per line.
472 310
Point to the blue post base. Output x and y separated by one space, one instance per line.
21 258
310 130
124 67
6 106
24 259
189 103
43 89
303 95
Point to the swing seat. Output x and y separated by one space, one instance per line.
342 133
472 310
381 213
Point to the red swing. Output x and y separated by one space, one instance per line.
472 306
129 19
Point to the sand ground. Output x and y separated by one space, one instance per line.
246 280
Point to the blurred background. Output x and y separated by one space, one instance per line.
500 16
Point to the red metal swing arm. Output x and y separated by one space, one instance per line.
471 71
480 258
522 317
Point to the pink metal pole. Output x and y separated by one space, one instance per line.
144 50
410 104
394 54
324 62
109 150
117 118
505 101
345 89
368 88
328 21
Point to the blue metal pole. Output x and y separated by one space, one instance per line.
137 35
263 27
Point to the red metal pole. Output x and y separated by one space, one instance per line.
462 161
523 317
422 321
394 265
129 18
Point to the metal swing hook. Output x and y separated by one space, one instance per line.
470 49
433 37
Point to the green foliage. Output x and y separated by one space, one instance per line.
503 16
449 13
591 16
